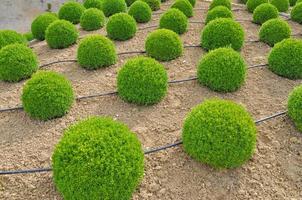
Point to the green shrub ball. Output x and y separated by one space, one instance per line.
121 26
17 62
61 34
93 4
281 5
294 106
222 32
92 19
111 7
285 59
163 45
296 13
222 70
8 37
140 11
71 11
264 12
226 3
47 95
219 12
274 31
28 36
253 4
98 158
154 4
96 51
219 133
173 19
40 24
184 6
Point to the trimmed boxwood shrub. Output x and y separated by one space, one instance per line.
173 19
142 81
294 106
47 95
98 158
154 4
253 4
28 36
222 32
296 13
17 62
92 19
61 34
226 3
274 31
219 133
163 45
93 4
184 6
96 51
285 59
71 11
264 12
111 7
219 12
222 70
281 5
40 24
140 11
8 37
121 26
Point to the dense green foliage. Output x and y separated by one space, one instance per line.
28 36
184 6
294 107
10 37
274 31
253 4
222 70
47 95
173 19
222 32
40 24
96 51
292 2
92 19
219 133
226 3
93 4
264 12
111 7
285 59
296 13
281 5
61 34
140 11
98 158
163 45
71 11
154 4
219 12
17 62
142 81
130 2
121 26
193 2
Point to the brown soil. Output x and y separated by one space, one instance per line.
274 172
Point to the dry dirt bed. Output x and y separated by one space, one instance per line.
274 172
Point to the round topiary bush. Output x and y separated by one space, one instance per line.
264 12
154 4
219 12
93 4
163 45
71 11
253 4
226 3
121 26
173 19
96 51
61 34
140 11
142 81
47 95
184 6
40 24
222 70
274 31
219 133
296 13
294 106
222 32
285 59
8 37
17 62
111 7
28 36
92 19
281 5
98 158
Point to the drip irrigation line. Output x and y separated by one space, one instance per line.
256 66
182 80
96 95
132 52
270 117
26 171
58 61
160 148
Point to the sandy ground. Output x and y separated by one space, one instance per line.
274 172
